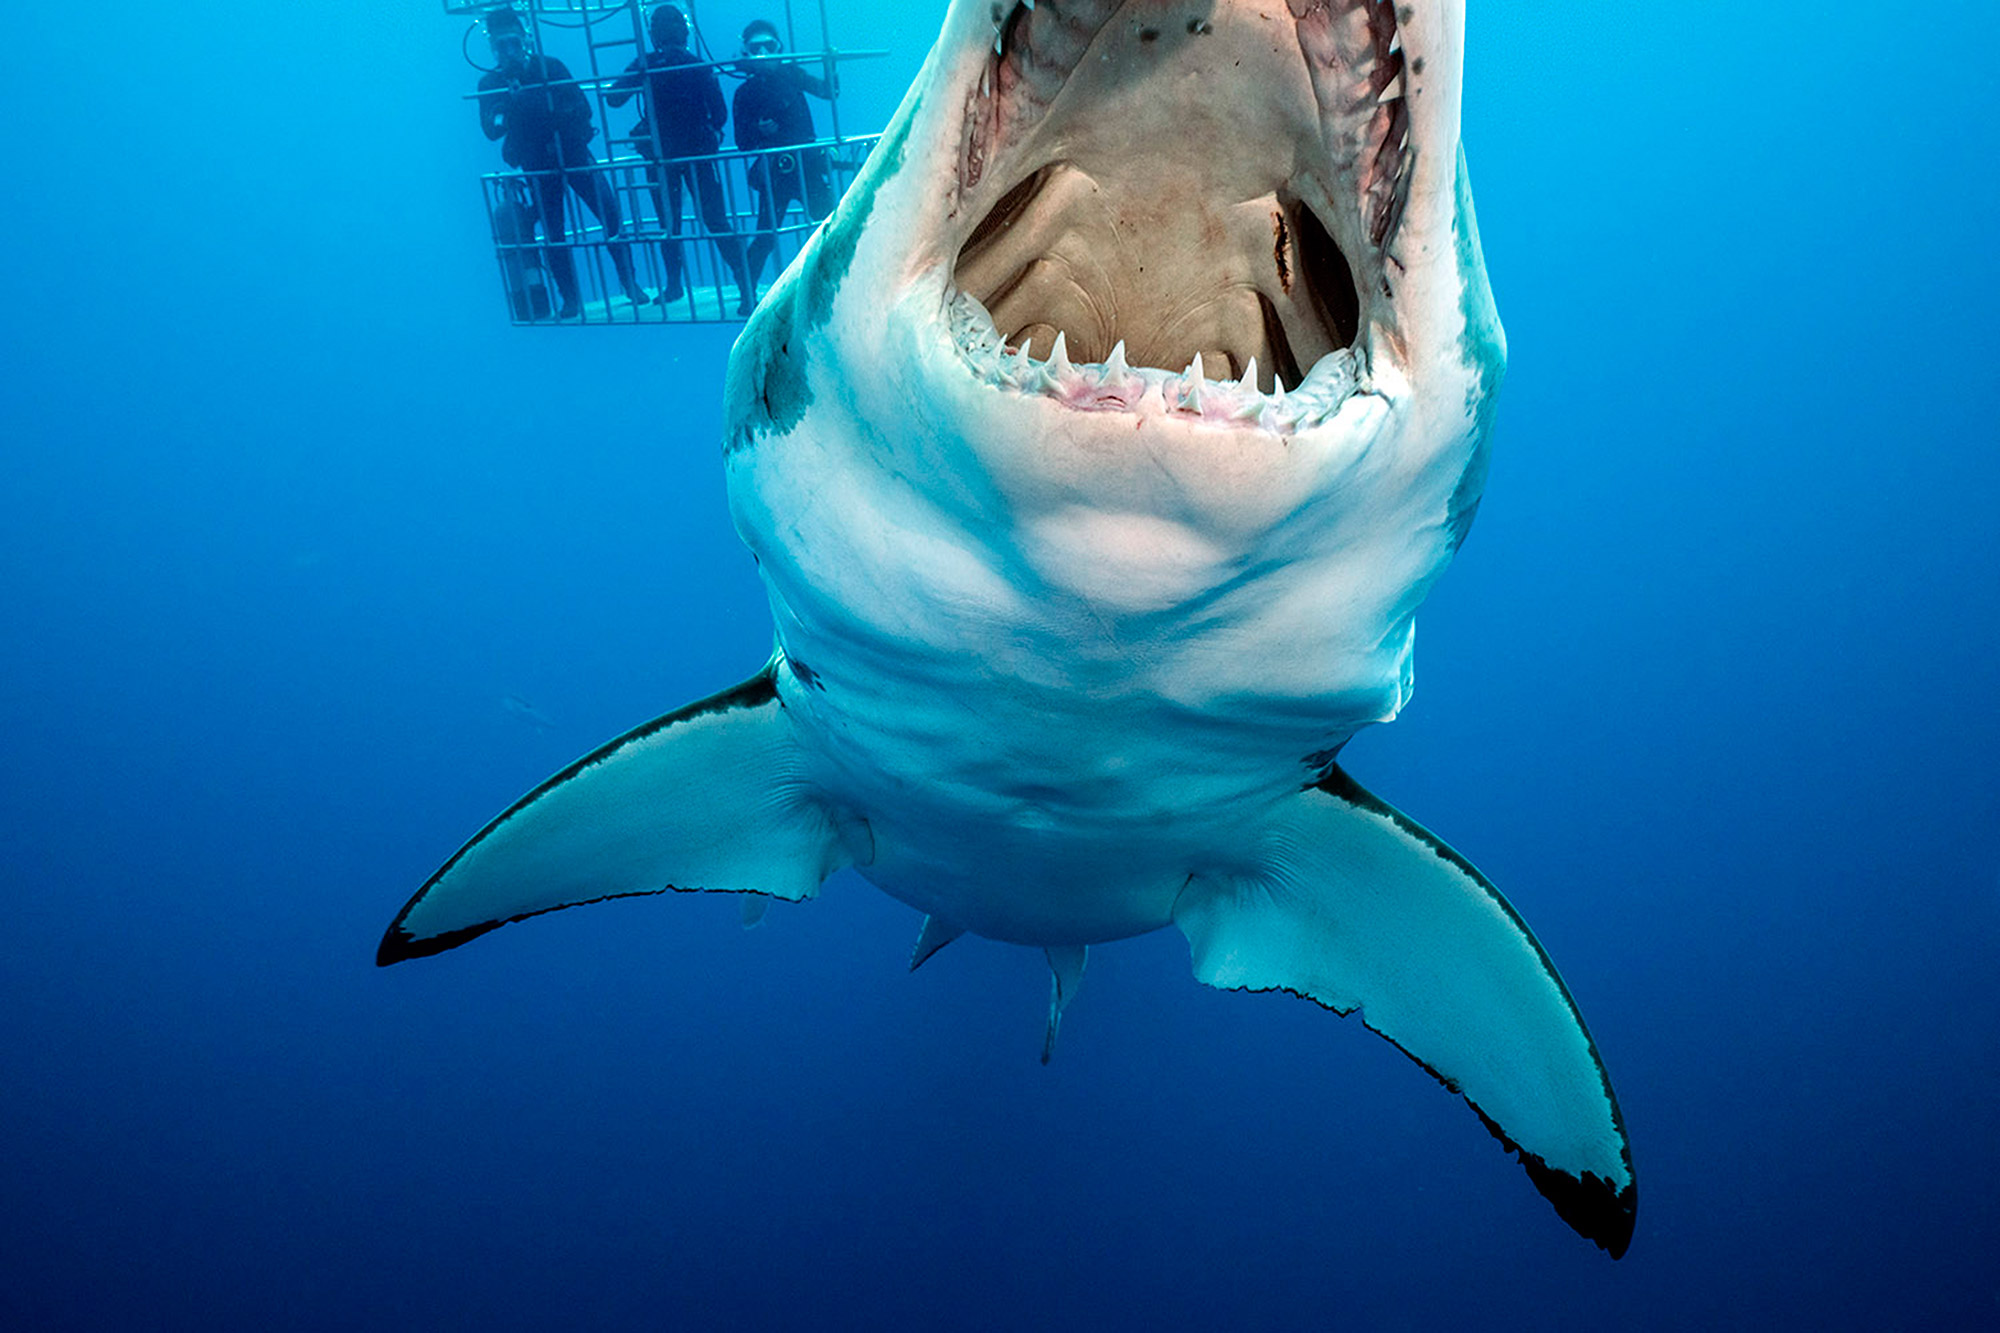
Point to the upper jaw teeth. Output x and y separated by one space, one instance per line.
1117 386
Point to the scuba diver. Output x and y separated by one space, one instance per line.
535 109
684 119
771 113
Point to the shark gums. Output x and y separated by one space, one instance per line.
1096 455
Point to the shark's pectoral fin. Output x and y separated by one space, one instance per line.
1360 909
710 797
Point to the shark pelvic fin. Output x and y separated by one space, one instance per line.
937 933
1364 911
1065 975
709 797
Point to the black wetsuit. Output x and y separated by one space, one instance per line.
684 119
543 122
771 113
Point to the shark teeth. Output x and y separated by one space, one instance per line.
1191 382
1117 386
1059 365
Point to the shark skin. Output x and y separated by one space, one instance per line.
1096 455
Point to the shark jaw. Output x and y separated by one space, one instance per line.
1117 386
1183 210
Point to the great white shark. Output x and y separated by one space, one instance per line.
1096 454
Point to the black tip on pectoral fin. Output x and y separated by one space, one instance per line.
1596 1210
399 946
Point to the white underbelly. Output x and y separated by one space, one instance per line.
1045 707
1064 809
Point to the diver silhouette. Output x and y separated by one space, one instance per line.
684 118
771 113
532 105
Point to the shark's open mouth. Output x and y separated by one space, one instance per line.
1183 198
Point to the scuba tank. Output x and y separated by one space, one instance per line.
520 260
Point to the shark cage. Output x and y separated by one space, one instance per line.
596 225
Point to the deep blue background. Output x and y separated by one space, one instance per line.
288 512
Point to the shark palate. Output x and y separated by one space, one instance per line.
1096 455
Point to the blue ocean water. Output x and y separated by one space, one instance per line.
290 515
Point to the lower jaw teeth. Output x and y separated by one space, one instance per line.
1114 386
